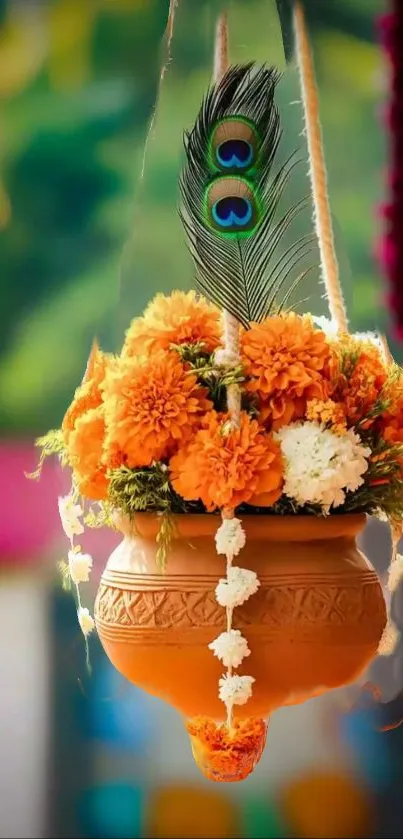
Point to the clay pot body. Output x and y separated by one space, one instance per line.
314 624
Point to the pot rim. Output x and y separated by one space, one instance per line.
269 528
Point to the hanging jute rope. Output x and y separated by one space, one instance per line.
322 214
324 232
169 32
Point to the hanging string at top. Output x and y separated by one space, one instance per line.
318 176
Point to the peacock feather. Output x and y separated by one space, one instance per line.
230 196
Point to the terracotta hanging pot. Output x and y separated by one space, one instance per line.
314 624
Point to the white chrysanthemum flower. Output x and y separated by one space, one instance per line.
239 585
70 516
328 326
80 566
371 337
230 537
235 690
395 573
85 620
320 465
389 640
230 647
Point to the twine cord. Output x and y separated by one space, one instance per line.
317 171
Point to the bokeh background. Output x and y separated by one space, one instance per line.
90 150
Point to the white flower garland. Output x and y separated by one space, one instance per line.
231 647
79 564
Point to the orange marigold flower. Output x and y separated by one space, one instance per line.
392 430
226 467
392 420
181 318
151 406
224 755
358 377
287 361
85 448
89 394
327 412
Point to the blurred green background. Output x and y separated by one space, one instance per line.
88 234
83 244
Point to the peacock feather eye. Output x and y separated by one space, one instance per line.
230 198
234 146
232 207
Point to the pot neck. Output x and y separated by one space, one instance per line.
262 528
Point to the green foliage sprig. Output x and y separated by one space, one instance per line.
382 490
51 444
140 490
215 379
149 490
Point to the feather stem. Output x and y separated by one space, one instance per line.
221 62
230 323
318 175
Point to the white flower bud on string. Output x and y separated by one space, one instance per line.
230 537
79 564
85 620
238 586
235 690
230 647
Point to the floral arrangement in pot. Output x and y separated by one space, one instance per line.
238 446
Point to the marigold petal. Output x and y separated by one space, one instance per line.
226 470
151 405
89 394
287 360
85 449
224 755
180 318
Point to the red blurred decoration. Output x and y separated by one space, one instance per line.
391 246
29 520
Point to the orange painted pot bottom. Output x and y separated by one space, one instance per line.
314 624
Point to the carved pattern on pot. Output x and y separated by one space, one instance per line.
275 608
